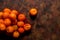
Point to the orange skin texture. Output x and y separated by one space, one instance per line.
10 29
7 22
7 10
15 12
20 23
33 11
12 16
1 14
5 15
27 26
2 27
21 30
21 17
15 27
16 34
1 21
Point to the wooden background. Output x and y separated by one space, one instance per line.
45 26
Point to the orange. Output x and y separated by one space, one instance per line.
16 34
21 30
21 17
10 29
27 26
1 21
15 12
20 23
7 21
15 27
7 10
33 11
5 15
1 14
12 16
2 27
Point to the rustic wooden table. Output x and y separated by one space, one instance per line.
45 26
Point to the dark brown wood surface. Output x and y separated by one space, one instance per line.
45 26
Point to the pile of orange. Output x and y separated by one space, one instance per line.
13 22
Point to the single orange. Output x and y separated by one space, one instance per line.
15 12
27 26
5 15
21 30
7 22
2 27
12 16
33 11
7 10
20 23
1 21
16 34
1 14
10 29
21 17
15 27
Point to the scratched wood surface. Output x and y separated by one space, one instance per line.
45 26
